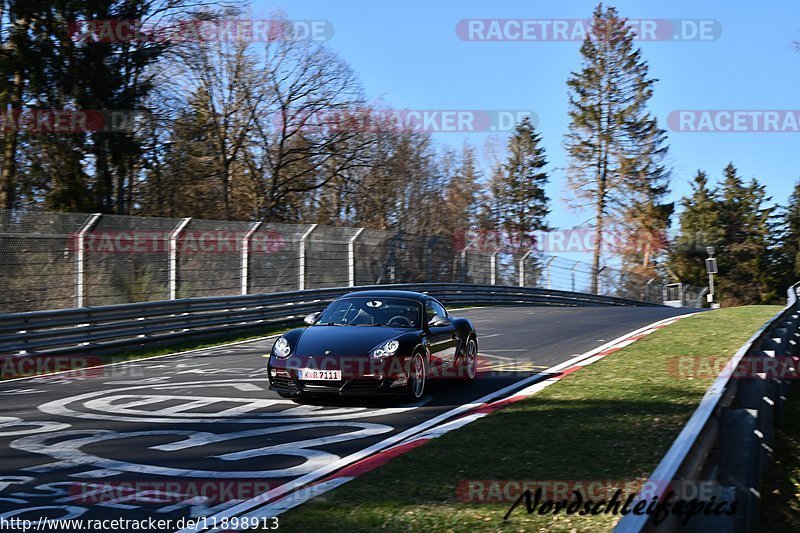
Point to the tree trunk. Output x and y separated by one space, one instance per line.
598 242
8 176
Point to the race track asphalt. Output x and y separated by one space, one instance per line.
144 439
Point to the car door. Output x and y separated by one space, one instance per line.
444 339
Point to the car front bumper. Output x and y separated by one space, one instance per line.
366 378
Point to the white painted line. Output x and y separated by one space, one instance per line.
142 360
591 360
361 454
254 508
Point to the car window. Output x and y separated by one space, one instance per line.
394 312
434 308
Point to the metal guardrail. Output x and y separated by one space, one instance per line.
726 446
110 328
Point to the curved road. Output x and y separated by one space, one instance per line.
143 439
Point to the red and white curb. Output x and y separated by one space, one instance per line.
296 492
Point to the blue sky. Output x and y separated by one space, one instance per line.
408 53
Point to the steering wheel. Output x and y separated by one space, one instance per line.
399 318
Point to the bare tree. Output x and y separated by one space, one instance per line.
307 133
227 99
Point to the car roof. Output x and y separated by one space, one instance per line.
411 295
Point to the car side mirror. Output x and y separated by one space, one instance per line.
311 319
439 321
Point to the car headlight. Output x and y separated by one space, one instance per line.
282 348
387 350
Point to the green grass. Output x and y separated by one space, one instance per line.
613 420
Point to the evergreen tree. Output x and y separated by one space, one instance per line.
700 226
791 240
785 246
615 146
522 204
744 258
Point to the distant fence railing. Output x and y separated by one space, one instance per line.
725 449
107 329
63 260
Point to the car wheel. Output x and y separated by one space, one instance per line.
468 367
417 376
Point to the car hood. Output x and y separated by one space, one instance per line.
344 340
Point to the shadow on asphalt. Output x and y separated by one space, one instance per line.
442 393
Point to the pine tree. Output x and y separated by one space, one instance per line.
522 204
791 238
744 258
700 226
784 246
615 146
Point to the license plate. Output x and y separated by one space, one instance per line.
319 375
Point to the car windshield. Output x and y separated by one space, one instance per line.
378 311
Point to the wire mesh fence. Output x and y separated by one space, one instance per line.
63 260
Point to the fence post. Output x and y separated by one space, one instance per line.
79 257
351 256
301 267
429 257
600 281
647 289
522 268
574 267
493 268
547 273
173 257
246 255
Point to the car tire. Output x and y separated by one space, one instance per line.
417 377
468 365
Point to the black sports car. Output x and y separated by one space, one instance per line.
374 342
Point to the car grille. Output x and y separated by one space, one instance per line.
361 384
321 385
284 384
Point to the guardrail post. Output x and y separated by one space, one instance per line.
173 257
246 255
351 257
740 466
79 257
521 268
547 273
574 267
301 265
493 268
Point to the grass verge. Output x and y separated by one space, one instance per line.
610 421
